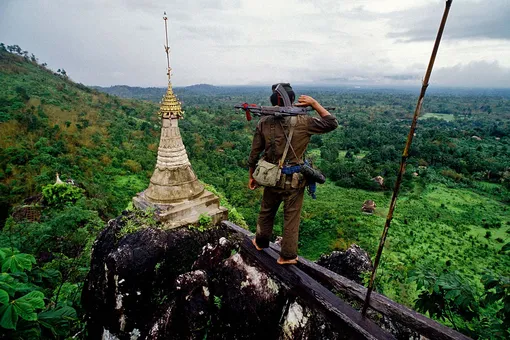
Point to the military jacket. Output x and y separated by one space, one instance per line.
270 137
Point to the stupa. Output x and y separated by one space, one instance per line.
174 192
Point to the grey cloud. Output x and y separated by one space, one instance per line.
334 79
467 20
181 5
476 74
213 32
142 4
145 28
369 78
342 9
402 77
120 41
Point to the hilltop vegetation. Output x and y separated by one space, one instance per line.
107 145
447 251
50 124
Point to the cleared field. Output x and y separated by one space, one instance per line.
444 116
435 225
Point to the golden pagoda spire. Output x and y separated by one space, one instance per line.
175 193
170 106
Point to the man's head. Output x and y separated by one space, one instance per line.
276 99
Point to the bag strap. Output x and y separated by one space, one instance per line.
293 122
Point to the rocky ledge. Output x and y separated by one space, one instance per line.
351 263
146 282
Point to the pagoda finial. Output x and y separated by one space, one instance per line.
167 48
170 105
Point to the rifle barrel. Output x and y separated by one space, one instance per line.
276 110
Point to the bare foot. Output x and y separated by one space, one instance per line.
255 244
281 260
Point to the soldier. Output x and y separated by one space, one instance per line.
271 137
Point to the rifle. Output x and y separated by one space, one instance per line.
277 111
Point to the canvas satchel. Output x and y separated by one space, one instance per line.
267 174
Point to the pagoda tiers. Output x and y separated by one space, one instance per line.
173 179
174 191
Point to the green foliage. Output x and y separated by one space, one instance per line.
129 228
217 301
233 215
448 296
51 124
61 194
58 320
204 221
66 230
22 298
505 248
13 261
23 307
136 221
497 292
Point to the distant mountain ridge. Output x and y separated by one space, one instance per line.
144 93
156 93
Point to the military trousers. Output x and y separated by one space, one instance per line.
292 204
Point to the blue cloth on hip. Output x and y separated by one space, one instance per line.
289 170
311 186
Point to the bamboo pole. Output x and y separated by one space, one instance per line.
405 155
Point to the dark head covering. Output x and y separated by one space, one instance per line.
275 98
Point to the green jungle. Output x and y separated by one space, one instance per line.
447 253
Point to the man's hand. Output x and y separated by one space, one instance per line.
309 101
252 184
306 101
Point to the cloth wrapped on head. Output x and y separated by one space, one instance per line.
276 99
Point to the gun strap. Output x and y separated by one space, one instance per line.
293 121
273 142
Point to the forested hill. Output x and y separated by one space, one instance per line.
49 124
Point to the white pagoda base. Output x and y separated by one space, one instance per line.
186 212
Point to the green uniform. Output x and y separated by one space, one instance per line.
270 138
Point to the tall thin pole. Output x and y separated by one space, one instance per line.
405 155
167 48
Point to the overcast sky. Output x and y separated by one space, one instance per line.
259 42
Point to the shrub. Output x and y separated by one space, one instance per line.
491 223
452 174
204 220
61 194
134 166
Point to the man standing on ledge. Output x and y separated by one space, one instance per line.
271 137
